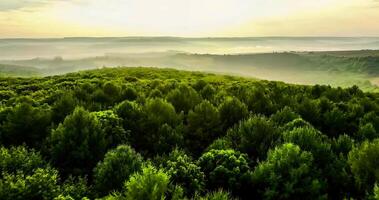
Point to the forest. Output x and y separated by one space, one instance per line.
153 134
338 69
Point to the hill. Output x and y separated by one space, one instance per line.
343 69
117 133
17 70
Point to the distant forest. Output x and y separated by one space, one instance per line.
153 134
339 68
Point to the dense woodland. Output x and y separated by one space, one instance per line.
145 133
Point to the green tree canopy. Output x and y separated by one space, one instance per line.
225 169
184 98
287 173
118 164
232 111
254 136
184 172
78 143
204 125
364 162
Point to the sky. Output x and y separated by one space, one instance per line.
188 18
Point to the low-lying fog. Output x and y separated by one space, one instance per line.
69 48
292 60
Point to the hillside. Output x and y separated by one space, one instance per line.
7 70
119 133
343 69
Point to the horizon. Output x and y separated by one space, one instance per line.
185 37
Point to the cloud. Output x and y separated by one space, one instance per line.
8 5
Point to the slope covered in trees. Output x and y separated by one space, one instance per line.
145 133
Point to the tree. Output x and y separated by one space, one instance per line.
62 107
41 184
296 123
287 173
159 112
364 162
26 124
221 143
184 172
161 127
232 111
208 92
366 132
332 168
131 114
115 169
254 136
112 91
150 184
312 140
129 93
284 116
204 125
111 125
184 98
78 143
20 159
225 169
76 188
310 111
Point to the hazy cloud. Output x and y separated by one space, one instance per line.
7 5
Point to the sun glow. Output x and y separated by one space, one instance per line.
191 18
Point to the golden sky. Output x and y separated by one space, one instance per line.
188 18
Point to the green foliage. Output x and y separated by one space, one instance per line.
20 159
76 188
115 169
184 171
208 92
284 116
131 115
26 124
333 133
364 161
63 106
221 143
129 93
203 124
184 98
308 139
78 143
224 169
287 173
150 184
159 111
254 136
219 195
41 184
232 111
62 197
342 145
376 192
366 132
112 127
161 127
296 123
